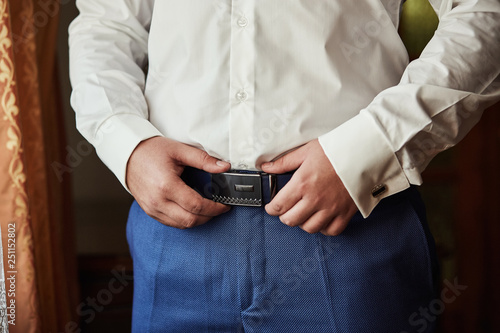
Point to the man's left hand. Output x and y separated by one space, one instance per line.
315 199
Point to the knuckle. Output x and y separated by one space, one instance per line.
277 207
149 211
286 221
152 205
314 178
315 200
173 152
195 206
204 158
163 186
189 222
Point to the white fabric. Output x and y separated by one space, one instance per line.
250 80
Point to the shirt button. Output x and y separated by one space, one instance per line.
242 21
241 95
242 166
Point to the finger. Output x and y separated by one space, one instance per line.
175 216
286 163
286 198
317 222
298 214
336 227
193 202
162 218
198 159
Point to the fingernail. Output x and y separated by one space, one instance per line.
222 163
268 164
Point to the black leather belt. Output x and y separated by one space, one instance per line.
236 187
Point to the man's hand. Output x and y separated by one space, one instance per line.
153 178
315 199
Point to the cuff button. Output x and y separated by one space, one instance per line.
378 190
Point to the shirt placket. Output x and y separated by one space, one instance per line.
242 84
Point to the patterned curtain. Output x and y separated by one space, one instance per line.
37 236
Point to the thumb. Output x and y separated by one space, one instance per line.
289 162
199 159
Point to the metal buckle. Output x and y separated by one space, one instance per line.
238 189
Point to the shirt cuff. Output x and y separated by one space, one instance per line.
117 138
364 161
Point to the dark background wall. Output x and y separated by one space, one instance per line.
100 202
100 208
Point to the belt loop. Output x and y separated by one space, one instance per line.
273 186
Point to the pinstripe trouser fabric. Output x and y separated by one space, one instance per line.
245 271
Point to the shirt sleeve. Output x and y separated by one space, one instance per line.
108 54
440 97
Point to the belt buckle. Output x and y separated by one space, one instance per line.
237 189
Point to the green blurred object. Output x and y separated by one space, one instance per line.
418 23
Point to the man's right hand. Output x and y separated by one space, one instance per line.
153 178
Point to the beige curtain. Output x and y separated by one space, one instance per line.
34 207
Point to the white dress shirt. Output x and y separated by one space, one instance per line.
248 80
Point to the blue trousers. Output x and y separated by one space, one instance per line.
245 271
